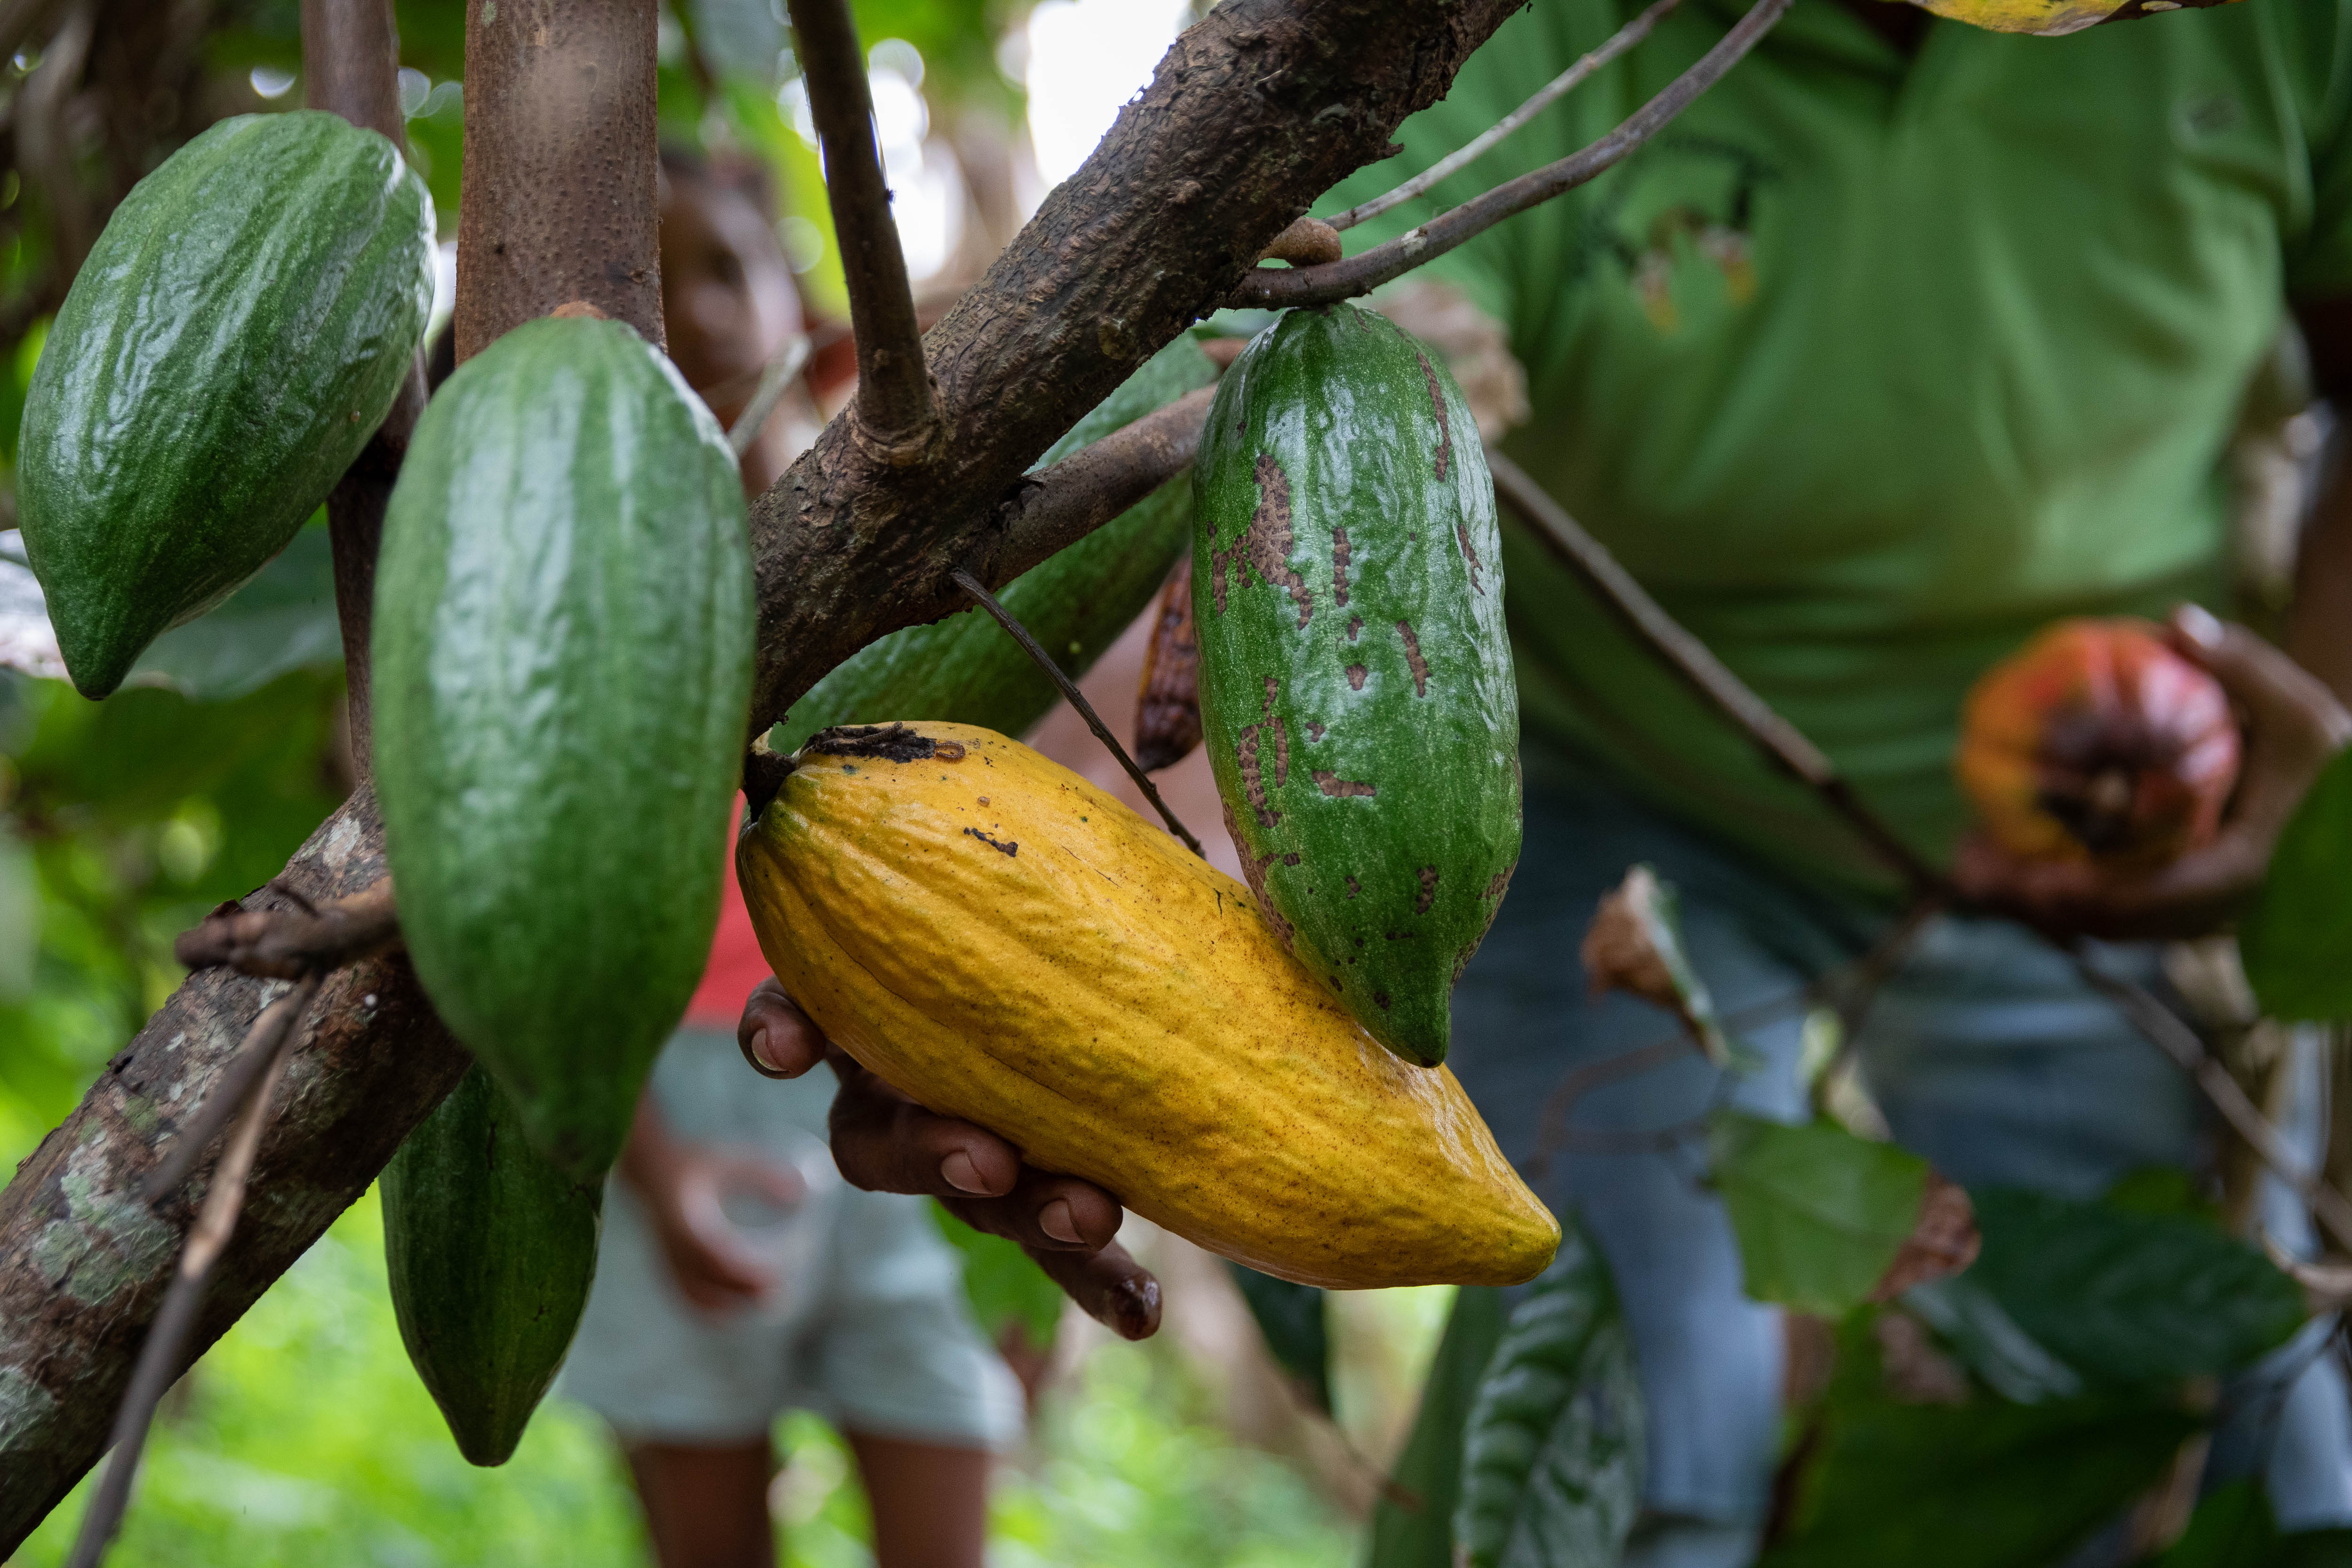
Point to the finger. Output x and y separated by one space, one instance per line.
1044 1213
1110 1287
2283 700
883 1143
776 1037
779 1185
711 1271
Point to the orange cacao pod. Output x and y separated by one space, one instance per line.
2098 742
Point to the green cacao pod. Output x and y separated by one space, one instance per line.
1076 602
489 1251
1356 693
562 662
237 335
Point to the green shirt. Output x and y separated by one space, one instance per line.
1867 367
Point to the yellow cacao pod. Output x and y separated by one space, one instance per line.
1002 942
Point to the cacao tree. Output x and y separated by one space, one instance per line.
924 490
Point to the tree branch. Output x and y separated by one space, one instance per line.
894 386
559 152
159 1362
561 166
286 944
1705 674
351 67
1272 287
1093 485
1781 741
1255 111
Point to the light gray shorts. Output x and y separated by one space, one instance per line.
869 1328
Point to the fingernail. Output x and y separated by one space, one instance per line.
1054 1220
759 1051
2196 623
961 1173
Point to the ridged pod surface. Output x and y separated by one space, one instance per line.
1007 943
236 336
562 653
489 1251
2096 741
1357 699
1076 602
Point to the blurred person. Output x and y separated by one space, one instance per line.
737 1279
1904 340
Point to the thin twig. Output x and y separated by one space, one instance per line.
1551 92
773 382
159 1355
1273 287
2165 1030
1707 674
895 418
286 944
1078 700
1689 657
1057 506
251 1062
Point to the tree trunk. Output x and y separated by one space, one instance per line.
1253 113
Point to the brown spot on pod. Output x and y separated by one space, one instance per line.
1412 657
1444 426
1469 553
1254 872
1354 624
1383 998
1338 788
1265 545
1249 751
1500 884
1291 859
1355 673
1428 894
1315 731
1353 891
1338 565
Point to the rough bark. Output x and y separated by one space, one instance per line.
83 1261
893 408
350 66
561 166
1253 114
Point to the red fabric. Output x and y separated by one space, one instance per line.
736 963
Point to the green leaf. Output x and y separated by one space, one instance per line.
1987 1484
1413 1522
1005 1286
1291 1319
1981 1331
1553 1453
2297 935
2125 1296
283 620
1819 1213
2232 1528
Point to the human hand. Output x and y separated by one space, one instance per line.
2293 724
682 1184
884 1142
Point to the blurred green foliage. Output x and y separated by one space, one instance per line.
304 1439
126 821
